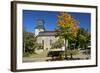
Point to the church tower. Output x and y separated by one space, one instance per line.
39 26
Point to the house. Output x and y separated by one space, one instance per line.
47 38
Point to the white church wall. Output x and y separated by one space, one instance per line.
37 31
46 41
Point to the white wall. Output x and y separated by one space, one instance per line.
5 37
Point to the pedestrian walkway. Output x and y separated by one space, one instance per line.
37 57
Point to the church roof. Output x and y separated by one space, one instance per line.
47 33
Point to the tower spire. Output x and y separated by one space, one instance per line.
39 26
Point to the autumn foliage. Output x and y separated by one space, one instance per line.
67 25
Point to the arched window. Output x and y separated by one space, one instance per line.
43 42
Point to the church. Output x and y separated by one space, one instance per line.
47 38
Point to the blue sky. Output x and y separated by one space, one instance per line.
50 18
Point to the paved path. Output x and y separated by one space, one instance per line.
37 57
25 59
82 56
43 57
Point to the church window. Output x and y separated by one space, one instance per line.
50 42
43 42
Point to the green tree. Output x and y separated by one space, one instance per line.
39 46
67 28
29 42
57 44
83 38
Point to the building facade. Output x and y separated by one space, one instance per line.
47 38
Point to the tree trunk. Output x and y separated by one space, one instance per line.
66 48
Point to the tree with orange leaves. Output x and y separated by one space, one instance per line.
67 28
